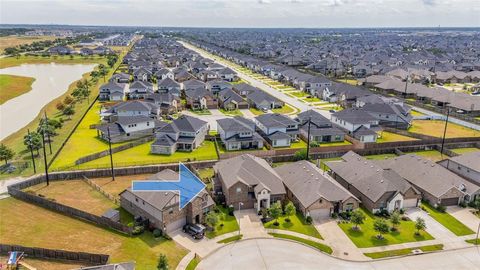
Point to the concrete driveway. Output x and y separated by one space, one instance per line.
342 246
210 118
465 216
283 254
250 224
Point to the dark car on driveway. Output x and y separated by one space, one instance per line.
196 231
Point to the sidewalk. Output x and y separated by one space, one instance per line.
250 224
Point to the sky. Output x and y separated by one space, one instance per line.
245 13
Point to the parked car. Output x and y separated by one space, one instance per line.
196 231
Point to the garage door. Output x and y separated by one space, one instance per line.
319 214
178 224
449 201
409 203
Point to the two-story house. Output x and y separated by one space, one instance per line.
358 123
139 90
162 209
238 133
185 133
278 129
321 129
112 91
126 128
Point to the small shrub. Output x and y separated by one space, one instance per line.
334 215
230 211
441 208
287 220
157 233
137 230
394 229
405 218
276 223
462 204
402 211
309 220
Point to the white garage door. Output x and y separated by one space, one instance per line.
409 203
319 214
176 225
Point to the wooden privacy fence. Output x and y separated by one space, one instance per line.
57 254
98 188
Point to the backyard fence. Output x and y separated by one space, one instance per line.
56 254
98 188
106 152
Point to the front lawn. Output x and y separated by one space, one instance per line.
316 245
448 221
140 155
30 225
297 224
386 136
201 112
312 99
286 109
231 113
256 111
435 128
298 94
226 224
404 251
366 236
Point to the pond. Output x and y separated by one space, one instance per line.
51 81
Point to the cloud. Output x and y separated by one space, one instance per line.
264 2
430 2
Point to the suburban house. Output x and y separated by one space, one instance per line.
390 114
126 128
168 85
185 134
313 193
167 102
278 129
192 84
244 89
216 86
263 101
437 184
229 100
120 78
112 91
227 74
357 122
239 133
139 90
162 208
247 182
131 108
200 99
466 165
378 189
321 129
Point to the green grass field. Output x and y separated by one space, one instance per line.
29 225
256 111
316 245
435 128
286 109
12 86
230 239
140 155
83 135
432 155
392 137
231 113
193 263
297 224
401 252
465 150
448 221
367 236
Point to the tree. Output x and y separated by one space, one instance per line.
290 210
275 210
6 153
68 100
357 217
380 225
420 225
395 219
60 106
33 140
69 111
162 262
211 219
300 155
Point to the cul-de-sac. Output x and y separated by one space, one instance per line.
239 134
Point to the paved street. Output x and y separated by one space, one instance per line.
259 84
282 254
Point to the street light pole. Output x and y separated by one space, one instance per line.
239 208
110 151
48 133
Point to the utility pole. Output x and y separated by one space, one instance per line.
308 138
31 151
48 133
110 150
406 86
445 131
45 158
